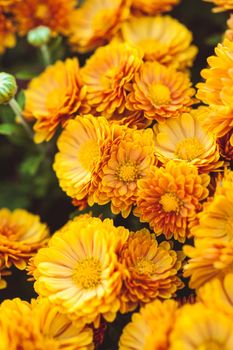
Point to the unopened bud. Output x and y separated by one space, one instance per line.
39 36
8 87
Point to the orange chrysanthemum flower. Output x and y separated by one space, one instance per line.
80 272
21 235
81 149
96 21
7 32
129 160
169 198
160 92
6 3
151 270
209 258
185 138
151 327
198 327
53 14
107 75
152 7
218 294
161 39
221 5
54 97
40 326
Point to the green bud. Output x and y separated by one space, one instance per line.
8 87
39 36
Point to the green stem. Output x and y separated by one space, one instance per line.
18 112
46 54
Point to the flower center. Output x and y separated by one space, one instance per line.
41 11
170 202
211 345
127 172
11 232
87 273
89 154
145 267
160 94
189 148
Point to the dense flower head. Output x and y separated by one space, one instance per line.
161 38
169 198
150 328
81 147
209 258
53 97
40 326
151 270
221 5
21 235
80 272
152 7
216 90
129 159
160 92
53 14
198 327
96 21
107 75
7 32
185 138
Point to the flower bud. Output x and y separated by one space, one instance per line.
8 87
39 36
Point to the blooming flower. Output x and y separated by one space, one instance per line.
160 92
7 32
185 138
221 5
107 75
79 271
169 198
152 7
129 159
40 326
151 270
81 148
54 97
161 38
33 13
21 235
95 22
198 327
150 328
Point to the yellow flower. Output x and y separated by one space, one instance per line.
7 32
218 294
107 75
221 5
185 138
217 88
209 258
53 14
198 327
152 7
81 147
21 235
54 97
160 92
80 272
151 270
162 39
40 326
150 328
169 198
129 159
216 219
95 23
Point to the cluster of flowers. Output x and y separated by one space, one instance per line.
130 137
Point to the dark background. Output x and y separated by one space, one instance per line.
26 176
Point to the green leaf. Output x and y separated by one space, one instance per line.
21 99
31 164
8 129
